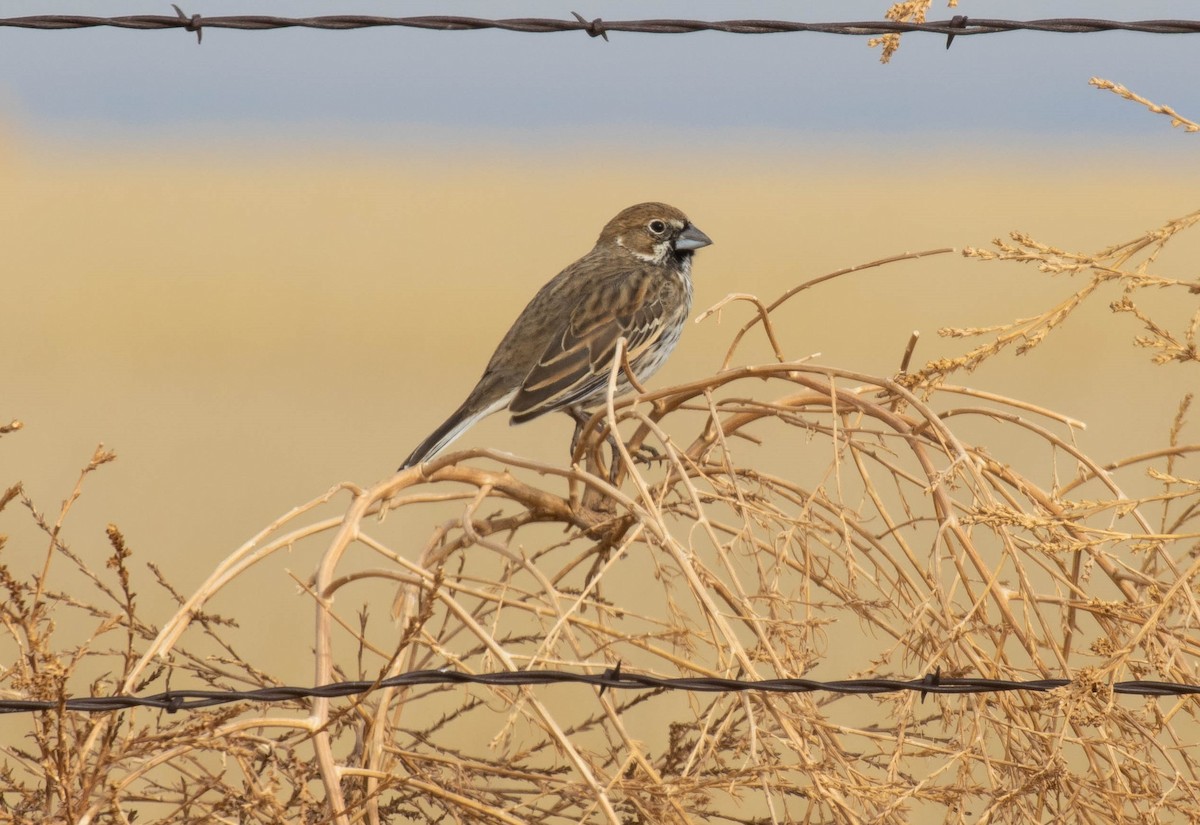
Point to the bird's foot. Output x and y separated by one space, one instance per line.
645 454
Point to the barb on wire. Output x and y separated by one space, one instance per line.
957 26
613 678
595 28
192 23
958 21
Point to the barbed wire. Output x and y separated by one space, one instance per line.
958 26
613 679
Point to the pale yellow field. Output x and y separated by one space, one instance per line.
247 329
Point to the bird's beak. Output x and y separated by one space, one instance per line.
691 238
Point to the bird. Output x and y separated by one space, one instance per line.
636 282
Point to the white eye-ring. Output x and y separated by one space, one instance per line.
656 226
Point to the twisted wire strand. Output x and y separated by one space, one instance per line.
176 700
959 26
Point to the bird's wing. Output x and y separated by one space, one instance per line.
576 362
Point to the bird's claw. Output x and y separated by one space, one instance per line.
645 454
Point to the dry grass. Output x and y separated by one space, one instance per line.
905 11
786 510
1117 89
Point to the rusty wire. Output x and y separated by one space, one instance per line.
176 700
958 26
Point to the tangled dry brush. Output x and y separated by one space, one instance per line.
778 520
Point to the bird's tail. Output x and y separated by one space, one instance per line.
450 429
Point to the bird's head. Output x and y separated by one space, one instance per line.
655 233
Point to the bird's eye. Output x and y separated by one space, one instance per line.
657 227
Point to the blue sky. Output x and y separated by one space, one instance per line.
555 89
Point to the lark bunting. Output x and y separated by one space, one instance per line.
636 282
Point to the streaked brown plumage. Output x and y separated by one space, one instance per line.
636 282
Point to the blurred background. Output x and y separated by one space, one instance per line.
273 262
